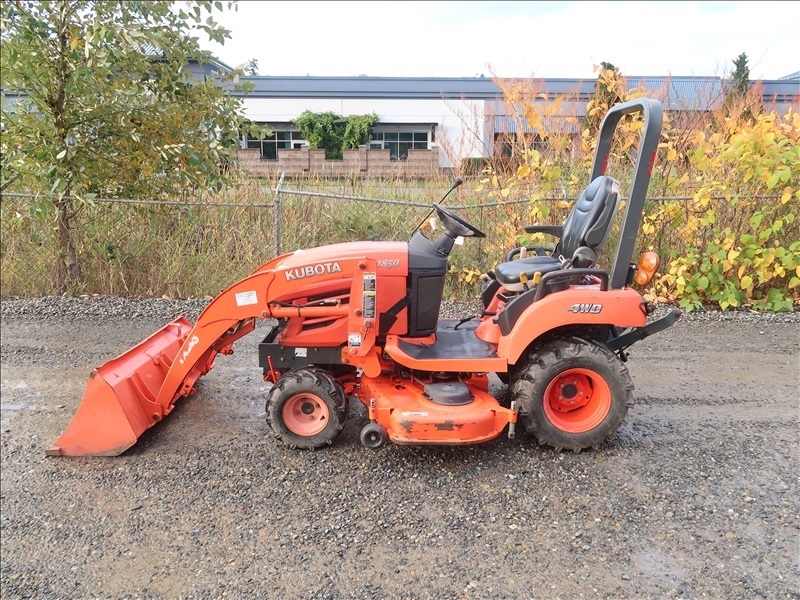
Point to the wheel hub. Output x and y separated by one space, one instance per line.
305 414
570 392
577 400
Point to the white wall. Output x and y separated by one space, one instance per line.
459 130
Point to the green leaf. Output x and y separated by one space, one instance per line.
772 181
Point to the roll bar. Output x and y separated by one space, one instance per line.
645 158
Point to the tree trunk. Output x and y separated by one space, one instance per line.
68 267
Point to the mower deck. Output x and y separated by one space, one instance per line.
411 415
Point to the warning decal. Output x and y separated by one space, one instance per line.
246 298
368 306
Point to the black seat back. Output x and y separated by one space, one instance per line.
590 222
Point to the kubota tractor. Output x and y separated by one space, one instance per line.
361 321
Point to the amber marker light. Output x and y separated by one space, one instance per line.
648 265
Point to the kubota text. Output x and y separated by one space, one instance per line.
311 270
192 343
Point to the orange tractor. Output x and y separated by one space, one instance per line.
361 321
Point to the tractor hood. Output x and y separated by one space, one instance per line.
391 257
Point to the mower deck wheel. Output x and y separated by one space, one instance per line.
307 408
572 393
374 436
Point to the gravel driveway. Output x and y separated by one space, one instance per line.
696 497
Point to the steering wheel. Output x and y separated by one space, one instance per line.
455 225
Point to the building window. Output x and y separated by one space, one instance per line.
398 143
279 139
398 140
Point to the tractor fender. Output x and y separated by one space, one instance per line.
574 307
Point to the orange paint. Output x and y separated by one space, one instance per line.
410 418
577 306
488 331
577 400
305 414
133 392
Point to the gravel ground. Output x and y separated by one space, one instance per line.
695 498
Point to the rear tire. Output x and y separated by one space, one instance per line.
572 393
307 408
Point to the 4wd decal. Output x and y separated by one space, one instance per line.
312 270
591 309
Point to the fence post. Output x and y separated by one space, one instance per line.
277 208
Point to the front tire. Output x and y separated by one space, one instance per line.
307 408
572 393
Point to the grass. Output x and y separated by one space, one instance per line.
184 250
181 250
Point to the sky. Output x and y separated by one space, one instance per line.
511 39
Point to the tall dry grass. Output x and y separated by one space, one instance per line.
202 243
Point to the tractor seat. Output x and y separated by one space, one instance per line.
583 237
509 274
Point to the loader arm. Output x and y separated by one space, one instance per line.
131 393
218 326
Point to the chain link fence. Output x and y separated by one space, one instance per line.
183 249
135 248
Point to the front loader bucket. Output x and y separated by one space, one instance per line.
120 399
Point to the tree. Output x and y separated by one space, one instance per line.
741 75
334 133
251 67
105 104
608 91
322 130
358 129
606 87
740 100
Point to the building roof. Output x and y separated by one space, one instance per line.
479 88
684 93
678 92
472 88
